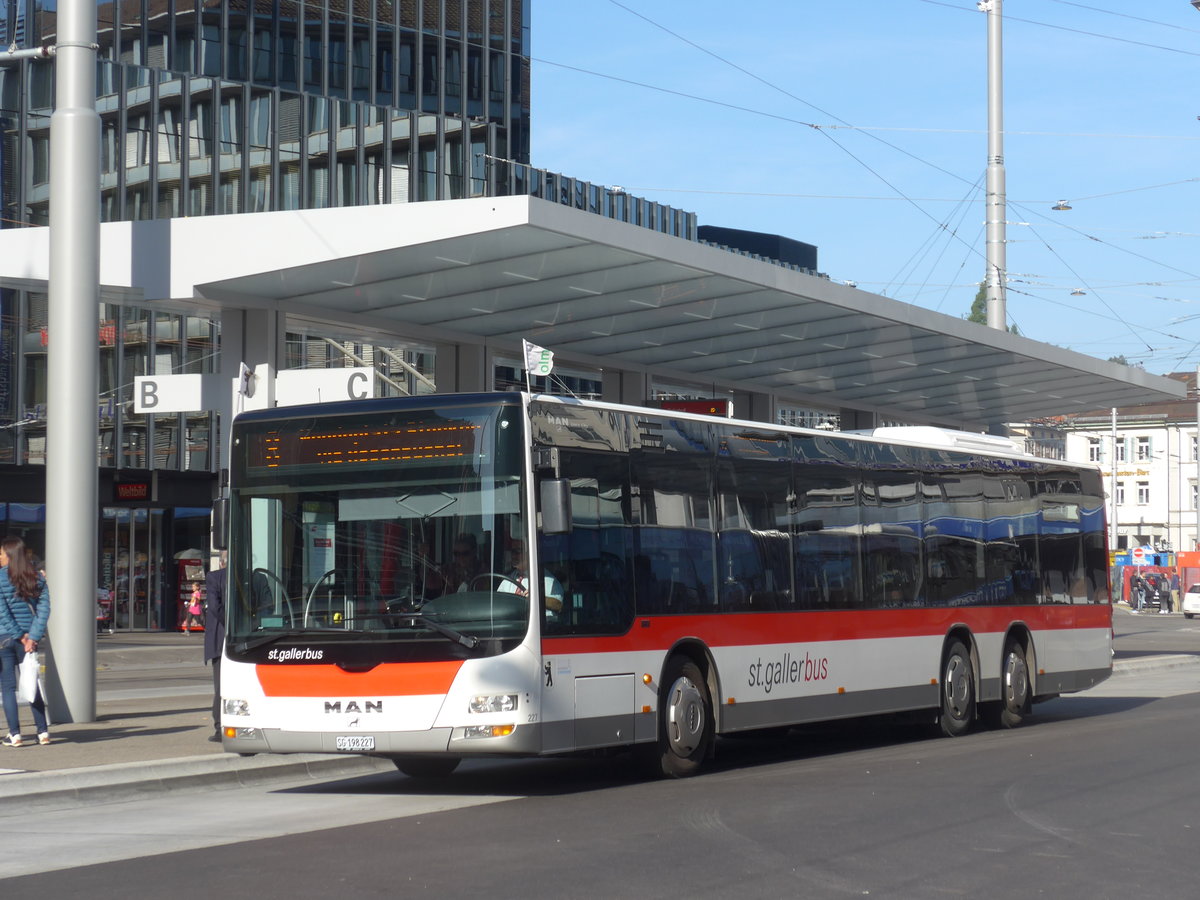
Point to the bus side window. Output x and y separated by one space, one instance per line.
594 560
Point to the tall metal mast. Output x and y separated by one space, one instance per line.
997 312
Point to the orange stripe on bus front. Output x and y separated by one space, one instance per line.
385 680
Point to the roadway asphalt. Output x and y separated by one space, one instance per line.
153 719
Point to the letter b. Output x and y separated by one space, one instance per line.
149 394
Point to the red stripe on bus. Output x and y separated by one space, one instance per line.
385 680
735 630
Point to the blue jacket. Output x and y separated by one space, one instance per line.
16 617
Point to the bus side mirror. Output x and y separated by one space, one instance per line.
556 505
220 524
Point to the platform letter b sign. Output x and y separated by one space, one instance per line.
149 398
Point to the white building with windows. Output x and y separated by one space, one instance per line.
1149 458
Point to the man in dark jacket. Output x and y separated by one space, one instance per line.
214 636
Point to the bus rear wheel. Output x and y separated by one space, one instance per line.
1016 697
685 720
426 766
958 691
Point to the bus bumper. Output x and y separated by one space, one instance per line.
524 740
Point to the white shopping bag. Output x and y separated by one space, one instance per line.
29 678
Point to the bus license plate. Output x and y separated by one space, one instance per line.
354 742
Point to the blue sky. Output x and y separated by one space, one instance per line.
1101 108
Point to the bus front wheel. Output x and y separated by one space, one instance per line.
426 766
958 691
685 720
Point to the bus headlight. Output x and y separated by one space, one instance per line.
235 707
493 703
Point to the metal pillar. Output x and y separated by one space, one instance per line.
1112 522
996 212
72 506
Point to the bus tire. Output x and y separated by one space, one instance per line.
1016 697
958 691
426 766
685 719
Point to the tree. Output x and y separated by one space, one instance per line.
979 310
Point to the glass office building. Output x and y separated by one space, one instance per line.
229 107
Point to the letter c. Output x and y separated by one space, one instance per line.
360 393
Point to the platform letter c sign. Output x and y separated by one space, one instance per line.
359 391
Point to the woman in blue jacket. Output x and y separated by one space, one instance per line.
24 612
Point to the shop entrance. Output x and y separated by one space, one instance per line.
131 555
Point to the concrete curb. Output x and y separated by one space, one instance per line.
1140 664
122 782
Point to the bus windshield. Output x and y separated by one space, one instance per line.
386 528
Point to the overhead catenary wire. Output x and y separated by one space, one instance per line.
943 227
1107 37
824 132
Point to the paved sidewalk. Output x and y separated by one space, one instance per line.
153 719
152 725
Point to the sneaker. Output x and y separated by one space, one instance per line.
13 740
44 738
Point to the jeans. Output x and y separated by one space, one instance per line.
10 659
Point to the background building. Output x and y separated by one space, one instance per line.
1153 495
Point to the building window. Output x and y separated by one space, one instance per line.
802 417
509 375
1194 457
1195 494
1120 493
1143 493
1093 449
1120 448
1143 449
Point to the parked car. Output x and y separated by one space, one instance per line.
1191 601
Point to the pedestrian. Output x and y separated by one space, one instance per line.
194 610
24 612
1139 593
1174 592
214 636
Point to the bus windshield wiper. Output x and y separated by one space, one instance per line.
467 640
273 636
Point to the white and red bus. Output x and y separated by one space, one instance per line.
694 577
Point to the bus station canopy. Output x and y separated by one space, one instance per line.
601 293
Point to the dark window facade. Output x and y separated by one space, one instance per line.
204 110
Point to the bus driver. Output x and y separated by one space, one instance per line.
518 581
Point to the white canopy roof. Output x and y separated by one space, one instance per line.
605 293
